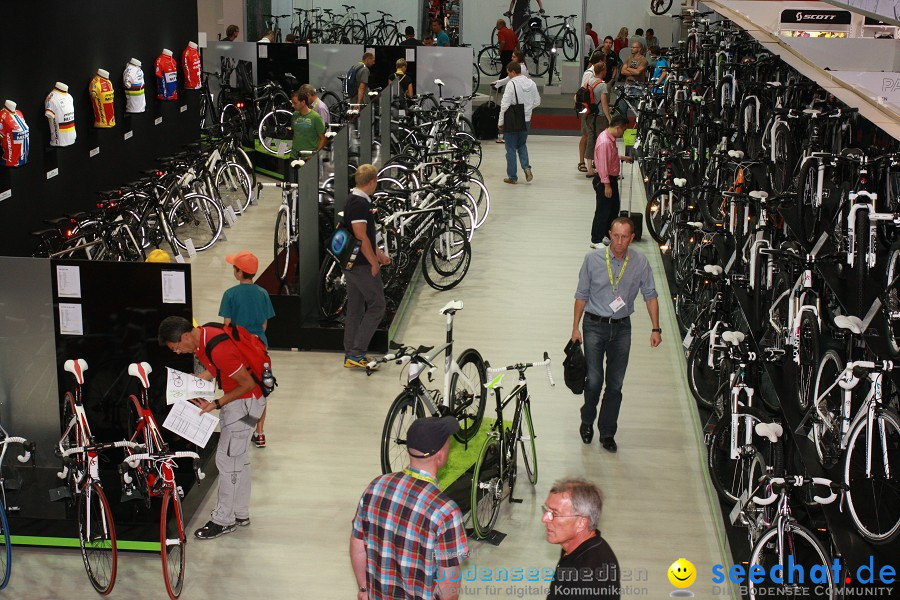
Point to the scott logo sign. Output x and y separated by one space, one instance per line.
813 17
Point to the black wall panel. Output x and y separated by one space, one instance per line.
68 42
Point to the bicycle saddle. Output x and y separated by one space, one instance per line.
77 368
714 270
733 337
452 307
679 182
854 324
438 82
738 154
773 431
759 194
142 371
695 224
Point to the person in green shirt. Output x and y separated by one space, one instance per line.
307 126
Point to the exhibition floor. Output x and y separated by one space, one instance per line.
324 422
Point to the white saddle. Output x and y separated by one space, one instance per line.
738 154
714 270
772 431
679 181
759 194
453 305
77 368
854 324
733 337
142 371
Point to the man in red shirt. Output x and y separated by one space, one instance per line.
240 407
606 179
589 29
508 41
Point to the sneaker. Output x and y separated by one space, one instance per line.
241 522
259 440
606 241
508 180
598 245
212 530
359 362
528 175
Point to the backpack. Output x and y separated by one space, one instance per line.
350 83
586 101
252 351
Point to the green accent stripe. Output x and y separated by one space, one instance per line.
33 540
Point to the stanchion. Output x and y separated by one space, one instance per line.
341 156
366 119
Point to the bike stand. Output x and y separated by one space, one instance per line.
494 538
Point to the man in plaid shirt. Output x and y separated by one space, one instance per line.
408 538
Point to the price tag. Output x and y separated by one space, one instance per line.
5 195
95 152
157 121
688 337
129 135
179 259
189 244
301 52
230 216
183 108
52 173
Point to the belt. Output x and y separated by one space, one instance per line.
593 317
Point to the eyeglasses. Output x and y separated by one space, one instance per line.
551 515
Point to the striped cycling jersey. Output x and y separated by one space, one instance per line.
166 78
60 110
133 78
13 138
102 101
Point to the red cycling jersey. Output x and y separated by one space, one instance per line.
190 62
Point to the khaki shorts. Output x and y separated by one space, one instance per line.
592 126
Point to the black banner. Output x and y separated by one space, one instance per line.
816 17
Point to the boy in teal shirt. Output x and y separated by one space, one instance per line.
307 126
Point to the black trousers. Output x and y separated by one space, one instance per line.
505 59
606 210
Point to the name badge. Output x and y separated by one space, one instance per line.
617 304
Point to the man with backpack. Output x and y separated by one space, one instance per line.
358 78
236 361
592 103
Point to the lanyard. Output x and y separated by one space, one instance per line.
615 284
421 476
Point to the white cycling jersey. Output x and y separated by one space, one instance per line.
133 78
59 109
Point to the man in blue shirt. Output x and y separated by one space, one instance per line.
660 68
440 36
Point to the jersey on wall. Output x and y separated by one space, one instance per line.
102 93
166 77
190 62
59 109
133 78
13 137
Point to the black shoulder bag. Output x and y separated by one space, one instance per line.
514 117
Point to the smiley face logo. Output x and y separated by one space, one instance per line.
682 573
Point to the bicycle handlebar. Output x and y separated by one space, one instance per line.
522 367
95 447
797 481
22 458
403 355
133 460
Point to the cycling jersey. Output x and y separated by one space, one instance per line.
133 78
102 100
60 110
13 137
190 62
166 77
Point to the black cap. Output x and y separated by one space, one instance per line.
427 436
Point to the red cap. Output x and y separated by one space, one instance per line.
244 260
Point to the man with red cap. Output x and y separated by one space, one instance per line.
249 306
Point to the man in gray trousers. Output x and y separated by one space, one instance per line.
365 291
239 409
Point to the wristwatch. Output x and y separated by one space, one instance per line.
656 330
364 590
219 406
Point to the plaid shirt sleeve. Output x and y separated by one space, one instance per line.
451 547
359 531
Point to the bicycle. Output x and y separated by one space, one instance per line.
151 474
6 553
496 466
287 234
272 24
660 7
463 394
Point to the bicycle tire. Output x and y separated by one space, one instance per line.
405 409
234 187
468 404
782 169
6 554
487 487
570 45
282 243
892 301
529 450
749 123
476 76
660 7
489 61
732 478
827 418
470 145
99 553
541 60
805 551
659 221
874 501
808 355
446 259
172 542
703 381
274 133
806 197
861 267
331 289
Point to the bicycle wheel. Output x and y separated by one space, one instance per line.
808 353
873 477
750 130
5 555
282 243
540 59
487 488
827 419
527 446
274 133
331 289
489 61
470 145
234 186
892 301
703 380
405 409
476 76
730 477
97 534
446 258
197 218
660 7
806 196
468 399
172 542
659 220
783 168
570 45
862 265
804 551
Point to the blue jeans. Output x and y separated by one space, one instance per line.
612 341
515 142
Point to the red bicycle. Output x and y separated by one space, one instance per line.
151 474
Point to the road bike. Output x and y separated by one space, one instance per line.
496 467
151 474
463 394
6 551
272 23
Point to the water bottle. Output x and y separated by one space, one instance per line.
268 380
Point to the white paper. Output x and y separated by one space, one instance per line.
184 386
173 291
70 321
201 39
68 281
410 55
263 51
301 52
191 250
186 421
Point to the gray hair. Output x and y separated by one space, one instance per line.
586 497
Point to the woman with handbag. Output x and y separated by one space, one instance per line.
519 98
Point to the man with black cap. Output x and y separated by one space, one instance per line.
408 538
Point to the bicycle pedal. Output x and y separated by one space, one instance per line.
60 493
